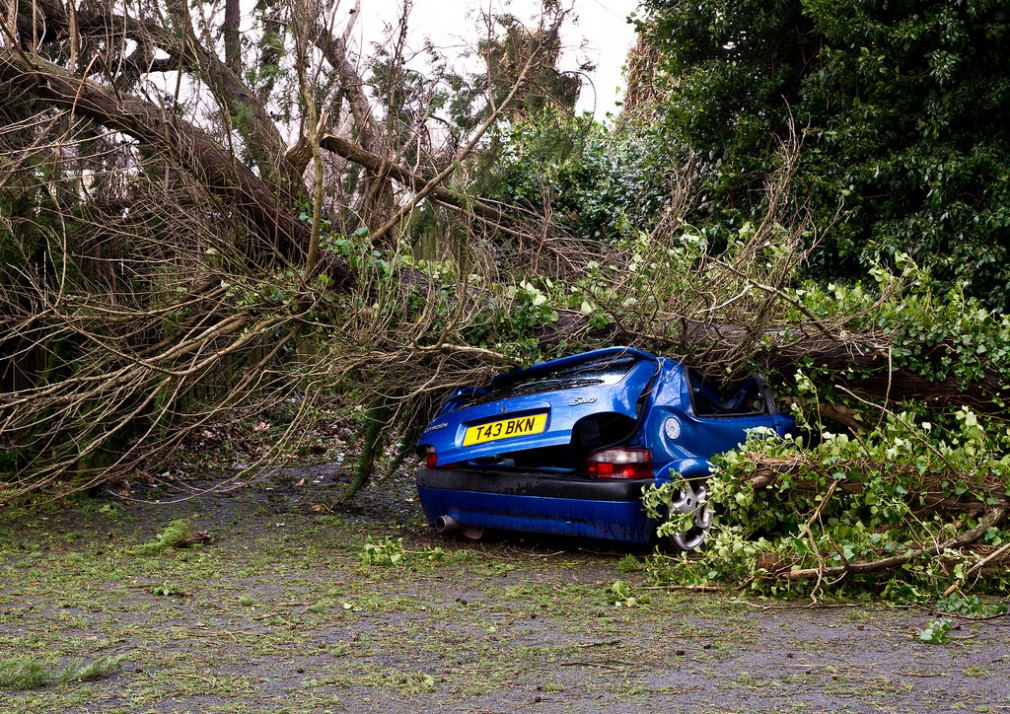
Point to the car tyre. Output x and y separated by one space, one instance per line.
691 498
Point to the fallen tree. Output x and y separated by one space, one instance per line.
160 270
157 272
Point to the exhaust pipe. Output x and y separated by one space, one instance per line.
446 524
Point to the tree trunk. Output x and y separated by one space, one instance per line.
254 202
232 38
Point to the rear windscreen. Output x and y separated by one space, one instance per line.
599 372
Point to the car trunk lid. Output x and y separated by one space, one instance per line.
541 407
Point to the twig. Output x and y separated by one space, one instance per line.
989 558
918 437
993 518
693 588
813 541
462 154
613 668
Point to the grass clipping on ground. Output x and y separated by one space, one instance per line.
179 533
24 673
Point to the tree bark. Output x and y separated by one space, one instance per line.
358 155
186 53
378 188
232 38
922 500
253 201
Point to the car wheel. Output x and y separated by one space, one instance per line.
691 499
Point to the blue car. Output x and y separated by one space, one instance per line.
566 447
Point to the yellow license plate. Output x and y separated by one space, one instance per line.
505 429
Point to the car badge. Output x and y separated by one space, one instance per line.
435 427
583 400
503 410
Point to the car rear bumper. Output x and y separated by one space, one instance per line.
537 503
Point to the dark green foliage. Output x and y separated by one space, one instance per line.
732 72
600 185
916 99
903 109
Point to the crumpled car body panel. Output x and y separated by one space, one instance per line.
563 406
512 455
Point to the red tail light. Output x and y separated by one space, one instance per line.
431 458
620 463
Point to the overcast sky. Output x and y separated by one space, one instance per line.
598 33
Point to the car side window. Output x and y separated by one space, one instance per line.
746 398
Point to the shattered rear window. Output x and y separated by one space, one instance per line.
599 372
